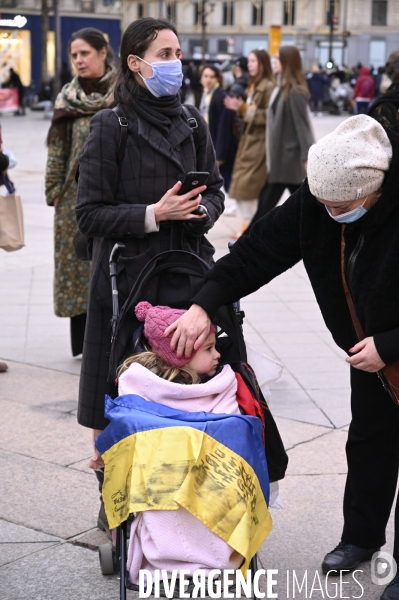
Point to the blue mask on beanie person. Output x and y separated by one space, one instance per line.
167 77
350 216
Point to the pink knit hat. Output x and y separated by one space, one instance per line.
156 320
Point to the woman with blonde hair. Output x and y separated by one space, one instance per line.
249 171
289 133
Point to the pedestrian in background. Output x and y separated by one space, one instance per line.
14 82
90 91
289 132
249 171
220 121
317 83
386 108
193 74
238 88
4 165
364 91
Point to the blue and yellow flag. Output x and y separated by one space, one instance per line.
214 465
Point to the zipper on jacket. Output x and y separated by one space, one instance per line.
352 260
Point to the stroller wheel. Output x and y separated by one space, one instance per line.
105 555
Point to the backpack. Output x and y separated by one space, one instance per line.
366 88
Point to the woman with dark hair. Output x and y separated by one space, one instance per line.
249 171
220 121
88 92
136 200
289 133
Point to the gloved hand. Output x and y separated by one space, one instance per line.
198 227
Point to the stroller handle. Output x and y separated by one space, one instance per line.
113 271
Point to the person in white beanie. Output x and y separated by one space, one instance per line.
347 207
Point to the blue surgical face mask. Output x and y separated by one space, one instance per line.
350 216
167 77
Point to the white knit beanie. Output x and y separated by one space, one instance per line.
350 162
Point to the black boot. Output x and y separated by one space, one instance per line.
391 592
346 557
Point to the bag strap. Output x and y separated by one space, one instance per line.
192 121
355 320
123 122
120 153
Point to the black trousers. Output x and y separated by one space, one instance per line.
78 326
372 452
269 196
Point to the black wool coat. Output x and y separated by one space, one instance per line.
302 229
111 207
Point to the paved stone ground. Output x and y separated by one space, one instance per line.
48 496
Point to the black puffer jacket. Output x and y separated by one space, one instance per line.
302 229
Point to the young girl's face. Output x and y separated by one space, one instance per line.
206 359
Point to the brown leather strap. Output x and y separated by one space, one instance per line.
356 322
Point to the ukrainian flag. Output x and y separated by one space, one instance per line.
214 465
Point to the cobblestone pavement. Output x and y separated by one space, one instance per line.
48 496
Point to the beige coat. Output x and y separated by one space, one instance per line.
249 171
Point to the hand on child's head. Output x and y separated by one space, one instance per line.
206 359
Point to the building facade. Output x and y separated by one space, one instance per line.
20 32
365 31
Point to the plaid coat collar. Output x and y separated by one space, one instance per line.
170 146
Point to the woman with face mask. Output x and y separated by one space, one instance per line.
136 201
90 90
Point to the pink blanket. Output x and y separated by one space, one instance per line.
164 539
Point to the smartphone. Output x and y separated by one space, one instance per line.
192 180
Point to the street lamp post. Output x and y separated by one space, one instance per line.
57 35
203 13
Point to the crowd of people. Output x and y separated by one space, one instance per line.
132 139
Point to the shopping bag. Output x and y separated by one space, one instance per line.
11 223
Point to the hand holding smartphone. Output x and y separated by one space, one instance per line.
192 180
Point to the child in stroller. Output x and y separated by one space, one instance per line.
183 536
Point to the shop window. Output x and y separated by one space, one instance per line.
379 11
257 12
171 11
289 12
15 50
228 13
88 6
377 53
222 45
195 46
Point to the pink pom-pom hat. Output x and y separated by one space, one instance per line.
156 319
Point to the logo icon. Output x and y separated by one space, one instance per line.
383 568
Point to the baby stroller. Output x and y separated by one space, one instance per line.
172 278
